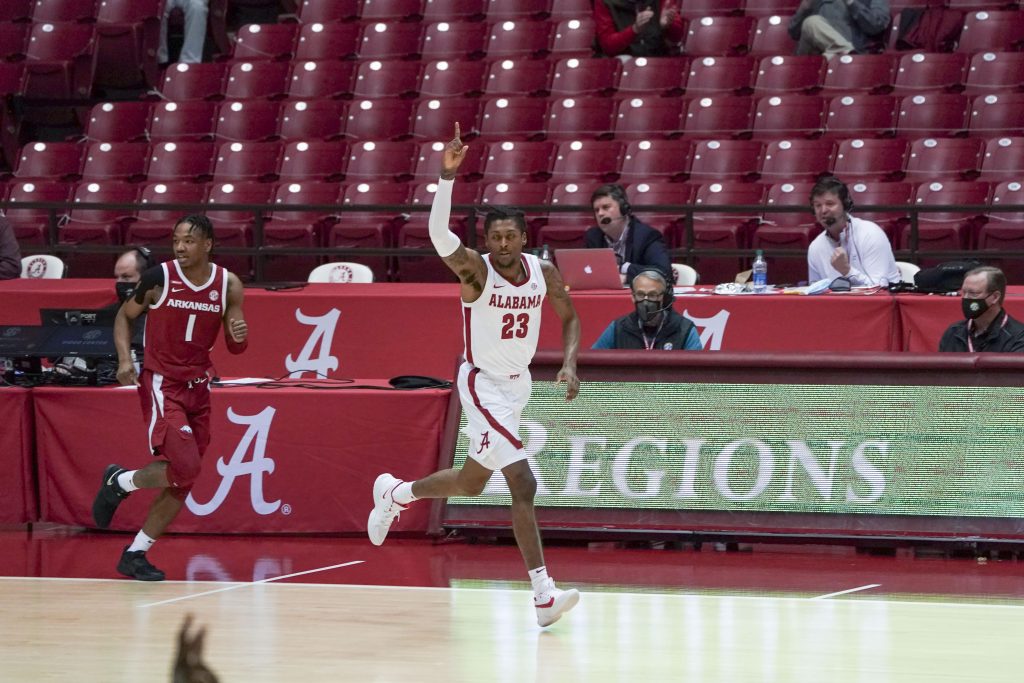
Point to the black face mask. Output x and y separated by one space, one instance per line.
973 308
125 290
648 311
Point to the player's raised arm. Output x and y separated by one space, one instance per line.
236 331
465 263
570 329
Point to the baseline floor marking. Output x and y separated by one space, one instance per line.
848 590
252 583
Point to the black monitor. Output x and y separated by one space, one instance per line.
22 340
78 316
84 341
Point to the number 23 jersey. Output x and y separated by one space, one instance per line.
501 327
182 326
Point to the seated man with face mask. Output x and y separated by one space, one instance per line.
654 324
986 325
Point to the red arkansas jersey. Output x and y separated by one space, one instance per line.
182 326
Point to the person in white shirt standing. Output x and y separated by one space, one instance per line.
849 247
502 293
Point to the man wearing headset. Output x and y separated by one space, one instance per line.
654 324
849 247
637 246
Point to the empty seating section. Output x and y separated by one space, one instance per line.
347 103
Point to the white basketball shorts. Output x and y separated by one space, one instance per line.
493 407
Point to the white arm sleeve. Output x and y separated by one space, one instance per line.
445 241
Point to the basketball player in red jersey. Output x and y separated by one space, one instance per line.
188 300
502 293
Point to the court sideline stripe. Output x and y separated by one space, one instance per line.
848 590
251 583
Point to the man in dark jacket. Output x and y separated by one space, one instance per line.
637 246
654 324
986 325
838 27
10 254
637 28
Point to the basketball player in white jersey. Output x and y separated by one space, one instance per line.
502 293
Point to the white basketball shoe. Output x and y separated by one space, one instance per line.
553 603
385 509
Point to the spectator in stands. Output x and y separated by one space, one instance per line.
195 30
637 28
838 27
849 247
986 325
654 324
10 254
637 246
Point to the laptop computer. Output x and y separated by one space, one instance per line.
589 268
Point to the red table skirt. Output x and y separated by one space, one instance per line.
17 483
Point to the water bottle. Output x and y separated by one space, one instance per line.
545 254
760 273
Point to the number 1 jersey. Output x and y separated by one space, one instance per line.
182 326
501 327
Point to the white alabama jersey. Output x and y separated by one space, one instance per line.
501 327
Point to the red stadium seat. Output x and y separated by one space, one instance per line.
513 118
244 192
519 39
379 193
728 230
767 8
797 159
575 118
312 192
946 230
454 10
1003 159
871 158
933 114
1008 193
944 158
990 71
379 119
31 225
720 35
789 230
248 80
428 161
194 82
434 118
464 193
997 114
109 161
60 61
118 122
391 78
518 77
516 194
644 118
247 120
588 160
454 40
457 78
656 160
64 10
320 79
171 161
730 160
853 73
571 194
155 195
721 75
316 119
93 192
266 41
385 40
992 30
13 41
247 161
504 10
719 116
781 75
10 77
1004 231
190 120
570 9
329 11
427 268
931 71
380 161
327 41
573 37
392 10
791 195
654 76
771 36
668 222
861 116
127 39
562 233
789 116
883 194
50 160
16 10
574 76
519 161
313 160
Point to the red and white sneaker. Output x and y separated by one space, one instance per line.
385 509
553 603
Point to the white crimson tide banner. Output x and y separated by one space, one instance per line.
781 448
285 459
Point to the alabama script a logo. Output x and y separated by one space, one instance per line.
322 334
255 437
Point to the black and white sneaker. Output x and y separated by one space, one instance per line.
108 497
134 565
